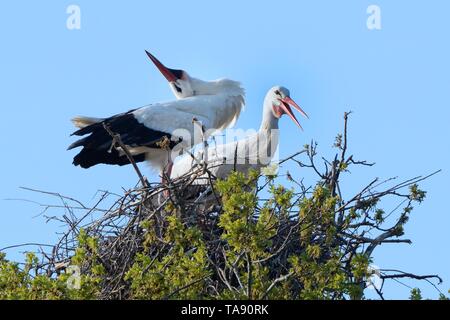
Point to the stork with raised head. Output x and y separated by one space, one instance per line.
180 82
151 132
256 151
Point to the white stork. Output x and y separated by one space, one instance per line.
256 151
152 131
181 84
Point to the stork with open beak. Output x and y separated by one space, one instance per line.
256 151
152 131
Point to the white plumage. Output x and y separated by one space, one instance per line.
217 110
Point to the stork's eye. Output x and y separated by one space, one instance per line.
277 92
177 88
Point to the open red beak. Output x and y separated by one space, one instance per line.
170 74
285 105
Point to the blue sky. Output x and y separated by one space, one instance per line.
396 80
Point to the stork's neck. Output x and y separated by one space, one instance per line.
268 135
269 121
220 86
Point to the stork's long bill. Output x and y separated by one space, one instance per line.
285 105
170 74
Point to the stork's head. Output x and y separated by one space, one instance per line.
279 101
184 86
179 80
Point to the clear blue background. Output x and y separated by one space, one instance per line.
396 80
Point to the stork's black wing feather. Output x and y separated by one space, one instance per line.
97 145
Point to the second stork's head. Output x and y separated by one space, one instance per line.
184 86
279 102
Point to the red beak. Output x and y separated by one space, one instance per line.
285 105
170 74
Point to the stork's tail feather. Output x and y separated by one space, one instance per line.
82 122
